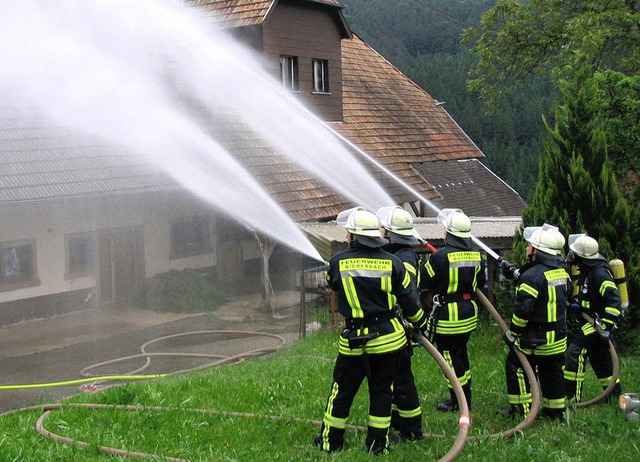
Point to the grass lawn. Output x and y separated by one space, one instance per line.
203 416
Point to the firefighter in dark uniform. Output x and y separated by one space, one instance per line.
453 274
406 415
538 326
598 297
368 282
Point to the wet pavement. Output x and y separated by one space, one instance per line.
57 349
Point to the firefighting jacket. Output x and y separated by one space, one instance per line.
598 294
453 274
409 259
538 318
368 283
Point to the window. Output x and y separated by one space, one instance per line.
320 76
79 250
190 237
17 265
289 72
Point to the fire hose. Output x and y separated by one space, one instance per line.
533 381
614 375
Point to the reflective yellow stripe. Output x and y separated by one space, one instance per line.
527 289
379 422
517 321
556 403
606 285
352 297
429 269
453 280
407 414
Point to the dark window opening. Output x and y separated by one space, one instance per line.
17 265
190 237
79 255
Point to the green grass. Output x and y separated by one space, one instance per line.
293 385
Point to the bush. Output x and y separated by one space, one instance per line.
182 291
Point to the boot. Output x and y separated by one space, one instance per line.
450 405
513 411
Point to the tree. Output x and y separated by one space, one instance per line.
577 190
523 38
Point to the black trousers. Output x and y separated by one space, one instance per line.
548 370
348 374
406 416
583 347
454 350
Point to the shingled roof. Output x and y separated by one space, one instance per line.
243 13
387 115
41 161
469 185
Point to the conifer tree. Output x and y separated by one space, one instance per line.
576 188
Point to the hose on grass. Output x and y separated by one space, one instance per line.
528 370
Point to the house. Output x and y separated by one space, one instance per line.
88 223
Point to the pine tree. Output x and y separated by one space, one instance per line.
576 188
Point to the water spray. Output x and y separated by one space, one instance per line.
413 191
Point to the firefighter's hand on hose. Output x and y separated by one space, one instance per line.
509 338
605 335
508 269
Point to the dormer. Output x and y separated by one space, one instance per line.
300 41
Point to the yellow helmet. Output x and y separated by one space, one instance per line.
362 223
399 223
455 222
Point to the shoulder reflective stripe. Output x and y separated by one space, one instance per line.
606 285
527 289
429 269
410 268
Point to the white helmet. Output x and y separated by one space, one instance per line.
551 228
399 223
584 246
543 239
362 223
455 222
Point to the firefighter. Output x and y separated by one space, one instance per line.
368 283
599 297
452 275
538 326
406 416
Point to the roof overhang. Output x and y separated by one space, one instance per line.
495 232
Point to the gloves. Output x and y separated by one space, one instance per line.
509 338
508 269
576 308
605 336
